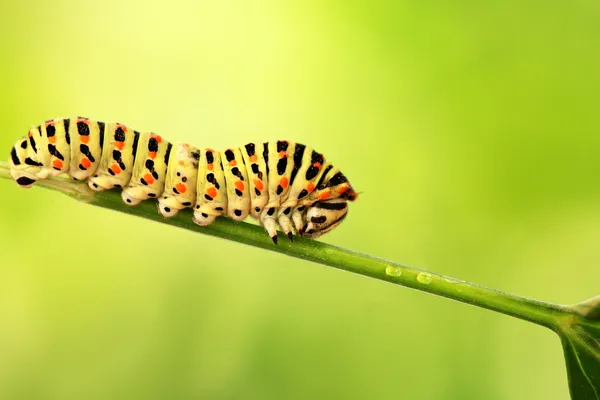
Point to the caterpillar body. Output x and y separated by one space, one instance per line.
281 183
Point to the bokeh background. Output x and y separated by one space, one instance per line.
471 129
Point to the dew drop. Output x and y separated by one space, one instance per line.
424 278
393 271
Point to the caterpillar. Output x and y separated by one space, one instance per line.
286 186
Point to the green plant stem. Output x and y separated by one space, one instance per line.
542 313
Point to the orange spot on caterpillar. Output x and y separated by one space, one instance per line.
86 163
85 120
282 154
119 145
343 189
152 154
57 164
317 165
149 179
212 192
181 188
310 187
84 139
239 185
52 139
253 158
325 195
49 123
210 167
284 182
116 169
157 137
232 163
258 183
181 163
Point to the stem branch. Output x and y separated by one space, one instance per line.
542 313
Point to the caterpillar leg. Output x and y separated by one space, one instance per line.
285 223
267 219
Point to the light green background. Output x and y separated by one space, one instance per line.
471 129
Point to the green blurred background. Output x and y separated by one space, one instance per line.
471 129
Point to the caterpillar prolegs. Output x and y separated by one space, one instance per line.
282 184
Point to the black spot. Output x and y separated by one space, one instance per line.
81 167
301 208
184 179
29 161
219 208
24 144
53 151
279 189
175 191
15 157
196 155
257 209
119 134
311 172
197 206
149 164
266 156
136 140
122 165
210 177
282 145
287 211
186 204
110 171
239 192
318 220
153 145
207 197
32 143
94 185
83 129
155 174
167 209
50 130
260 175
168 153
84 149
25 181
143 182
229 155
321 183
210 158
66 123
129 200
116 154
271 211
178 173
238 212
298 154
255 168
337 179
205 215
302 194
101 126
282 165
152 195
250 149
257 191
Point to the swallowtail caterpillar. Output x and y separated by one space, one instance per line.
282 184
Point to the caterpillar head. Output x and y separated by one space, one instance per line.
323 216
